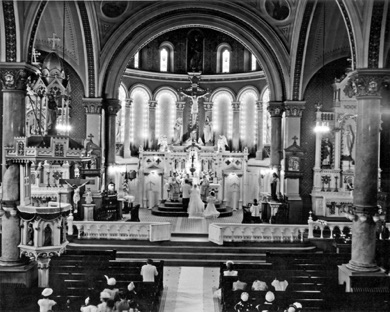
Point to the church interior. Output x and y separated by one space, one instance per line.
110 108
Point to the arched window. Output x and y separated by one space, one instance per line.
224 54
253 63
136 60
139 123
166 57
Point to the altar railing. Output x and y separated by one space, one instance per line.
152 231
237 232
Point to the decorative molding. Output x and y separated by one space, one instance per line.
92 105
113 106
208 106
180 105
276 109
294 108
367 83
301 49
375 34
89 48
348 23
152 104
13 79
236 106
34 30
10 31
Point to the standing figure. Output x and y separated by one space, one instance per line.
208 131
47 232
196 54
186 191
222 143
196 205
46 304
76 195
177 131
204 187
30 234
148 271
211 211
175 189
51 115
274 185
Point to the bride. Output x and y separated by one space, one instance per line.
211 211
196 205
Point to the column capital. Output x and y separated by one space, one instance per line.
180 105
14 76
129 101
93 105
236 106
259 105
294 108
152 104
113 106
208 106
275 108
367 82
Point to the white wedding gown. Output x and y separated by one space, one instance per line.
196 205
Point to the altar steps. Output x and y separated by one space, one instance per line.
175 209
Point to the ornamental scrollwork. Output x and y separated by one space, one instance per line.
13 79
366 85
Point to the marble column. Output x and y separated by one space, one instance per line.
236 126
259 133
128 118
180 115
366 85
276 110
43 272
93 111
152 125
112 108
14 81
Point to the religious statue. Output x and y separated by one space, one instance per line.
274 185
178 131
326 152
349 141
88 196
208 131
175 189
51 115
196 54
204 187
76 195
30 235
222 143
47 236
163 143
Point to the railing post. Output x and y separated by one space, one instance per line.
310 223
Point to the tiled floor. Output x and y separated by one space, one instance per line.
187 226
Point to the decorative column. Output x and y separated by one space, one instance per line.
276 110
366 85
317 163
14 89
180 115
93 111
260 125
43 272
112 108
236 126
128 119
152 124
292 133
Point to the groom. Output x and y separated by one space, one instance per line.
186 194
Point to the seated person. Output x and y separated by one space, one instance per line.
229 269
122 305
238 285
110 289
259 286
295 307
244 305
269 304
279 284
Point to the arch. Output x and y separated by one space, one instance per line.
258 39
222 89
166 99
222 100
170 55
220 49
248 98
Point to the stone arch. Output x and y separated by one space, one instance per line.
259 39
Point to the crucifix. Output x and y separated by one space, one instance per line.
76 184
35 55
54 41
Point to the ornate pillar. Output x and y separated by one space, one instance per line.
293 113
276 110
93 110
152 124
43 272
14 89
236 126
112 108
128 119
260 125
180 115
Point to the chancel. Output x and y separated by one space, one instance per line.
196 133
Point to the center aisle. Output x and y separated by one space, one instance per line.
190 289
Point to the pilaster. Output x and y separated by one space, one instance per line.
276 110
112 108
93 111
236 126
152 123
128 118
259 134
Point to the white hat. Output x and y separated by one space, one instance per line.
86 301
131 286
269 296
47 292
105 295
110 281
229 261
244 296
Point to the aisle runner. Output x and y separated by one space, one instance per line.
189 296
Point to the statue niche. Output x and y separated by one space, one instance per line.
195 51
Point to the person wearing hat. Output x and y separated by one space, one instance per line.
123 304
244 305
148 271
113 292
107 304
131 297
295 307
46 304
269 304
91 302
